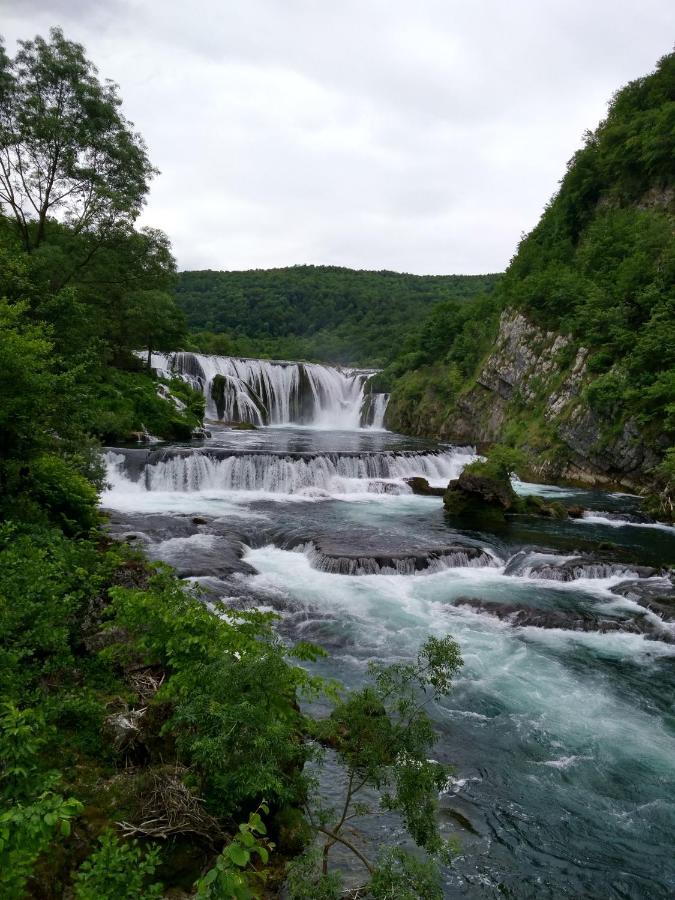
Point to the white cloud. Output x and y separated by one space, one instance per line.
418 137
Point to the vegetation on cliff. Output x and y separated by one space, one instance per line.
599 269
322 313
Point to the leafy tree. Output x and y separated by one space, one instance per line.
383 735
325 313
157 321
66 150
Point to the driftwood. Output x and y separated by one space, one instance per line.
170 808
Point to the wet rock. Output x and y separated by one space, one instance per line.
588 567
338 562
199 520
421 486
569 620
658 598
479 494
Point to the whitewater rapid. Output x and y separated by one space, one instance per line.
560 732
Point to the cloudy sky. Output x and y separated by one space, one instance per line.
415 135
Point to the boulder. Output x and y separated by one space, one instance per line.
421 486
479 493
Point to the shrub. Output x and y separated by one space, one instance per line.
118 870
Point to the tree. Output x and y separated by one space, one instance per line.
66 150
383 736
156 320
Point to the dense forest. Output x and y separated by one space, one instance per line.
146 743
598 269
319 313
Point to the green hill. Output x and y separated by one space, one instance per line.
325 313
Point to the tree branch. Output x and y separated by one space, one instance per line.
355 850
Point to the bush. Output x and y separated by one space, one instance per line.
118 870
68 498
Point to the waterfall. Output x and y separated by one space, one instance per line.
271 392
373 409
332 473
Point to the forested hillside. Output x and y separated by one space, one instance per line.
323 313
583 370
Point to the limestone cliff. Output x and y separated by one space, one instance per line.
530 390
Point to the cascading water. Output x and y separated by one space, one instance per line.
268 392
337 473
558 725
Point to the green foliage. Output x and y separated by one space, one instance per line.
661 502
234 874
128 402
383 736
599 267
229 674
306 881
325 313
67 149
402 876
26 831
33 814
499 462
45 582
68 498
601 262
118 870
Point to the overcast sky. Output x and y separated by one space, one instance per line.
415 135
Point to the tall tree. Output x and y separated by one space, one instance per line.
66 150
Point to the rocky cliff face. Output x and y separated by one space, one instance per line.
529 390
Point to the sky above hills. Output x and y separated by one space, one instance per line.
384 134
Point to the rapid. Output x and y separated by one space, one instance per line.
560 726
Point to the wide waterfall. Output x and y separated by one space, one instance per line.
280 473
272 392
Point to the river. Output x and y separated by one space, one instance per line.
560 726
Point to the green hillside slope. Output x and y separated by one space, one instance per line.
326 313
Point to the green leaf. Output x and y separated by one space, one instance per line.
210 877
239 855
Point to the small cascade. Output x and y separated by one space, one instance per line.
275 392
279 473
373 410
549 567
415 563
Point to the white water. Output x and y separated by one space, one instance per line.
271 392
560 737
329 474
593 518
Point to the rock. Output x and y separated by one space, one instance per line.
567 619
199 520
536 506
338 561
479 493
575 512
658 598
245 426
421 486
